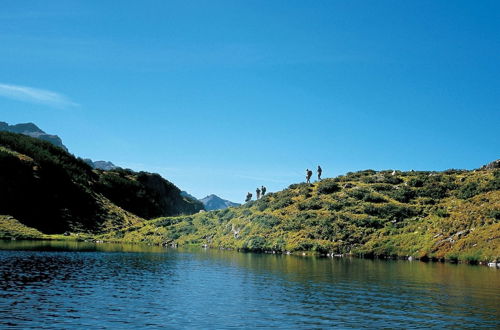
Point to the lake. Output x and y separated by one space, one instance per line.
70 284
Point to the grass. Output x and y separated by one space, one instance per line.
10 228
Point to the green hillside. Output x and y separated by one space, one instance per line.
452 215
46 188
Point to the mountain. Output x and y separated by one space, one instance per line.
45 188
213 202
32 130
100 164
451 215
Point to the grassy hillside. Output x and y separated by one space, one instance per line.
11 228
50 190
452 215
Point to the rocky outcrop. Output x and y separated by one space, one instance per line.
491 166
100 164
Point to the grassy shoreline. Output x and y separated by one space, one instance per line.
451 216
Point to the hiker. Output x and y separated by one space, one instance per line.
309 173
263 190
319 173
257 191
249 197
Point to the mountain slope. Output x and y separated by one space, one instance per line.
452 215
214 202
46 188
34 131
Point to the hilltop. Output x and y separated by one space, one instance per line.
452 215
46 188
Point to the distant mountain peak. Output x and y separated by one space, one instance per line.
214 202
33 130
101 164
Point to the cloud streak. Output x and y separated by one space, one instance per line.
35 95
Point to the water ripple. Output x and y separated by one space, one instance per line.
213 289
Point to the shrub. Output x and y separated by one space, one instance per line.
262 203
374 198
310 204
359 193
299 186
468 190
494 184
390 211
266 220
436 191
281 203
366 195
382 187
328 187
255 243
417 182
495 214
403 194
442 212
337 205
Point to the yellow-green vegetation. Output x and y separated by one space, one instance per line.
10 228
452 215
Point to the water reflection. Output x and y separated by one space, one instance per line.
62 284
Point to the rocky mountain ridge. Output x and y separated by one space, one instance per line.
34 131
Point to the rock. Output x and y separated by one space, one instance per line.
104 165
491 166
460 233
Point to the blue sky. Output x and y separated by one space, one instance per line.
224 96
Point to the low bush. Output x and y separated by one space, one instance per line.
328 187
469 190
403 194
310 204
266 220
390 211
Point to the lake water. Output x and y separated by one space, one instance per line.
83 285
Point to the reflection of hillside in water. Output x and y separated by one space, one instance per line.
110 285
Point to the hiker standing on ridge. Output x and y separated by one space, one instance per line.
249 197
263 189
257 191
309 173
319 173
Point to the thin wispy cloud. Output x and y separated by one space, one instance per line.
35 95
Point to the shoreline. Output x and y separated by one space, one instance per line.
305 253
